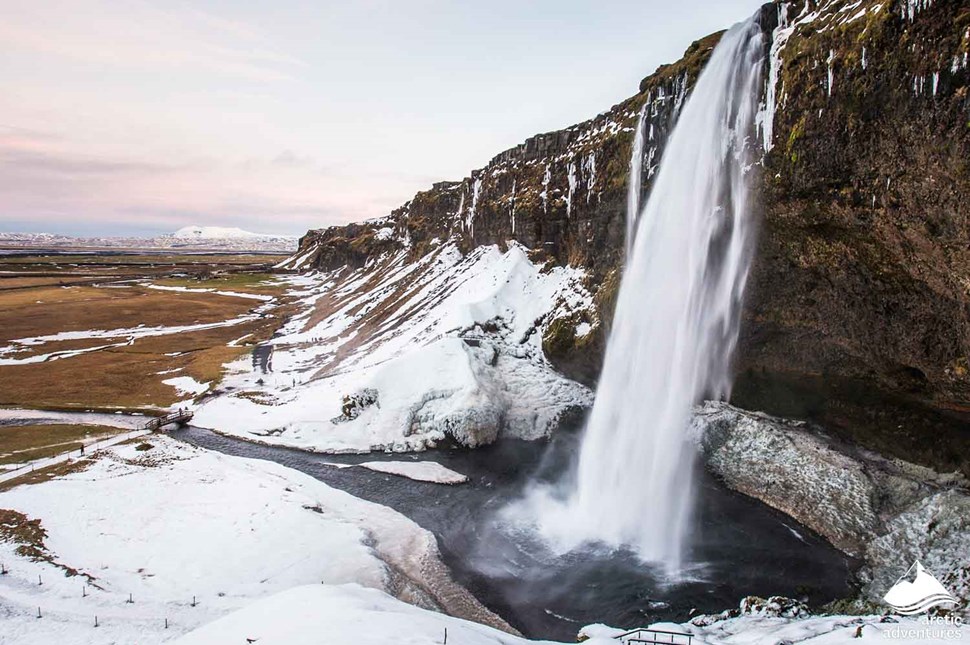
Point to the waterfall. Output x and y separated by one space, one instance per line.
634 184
676 321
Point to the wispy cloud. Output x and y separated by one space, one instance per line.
27 162
289 159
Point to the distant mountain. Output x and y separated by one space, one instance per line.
212 238
217 232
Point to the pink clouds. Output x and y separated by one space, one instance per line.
125 112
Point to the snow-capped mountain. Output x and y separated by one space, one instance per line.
215 238
217 232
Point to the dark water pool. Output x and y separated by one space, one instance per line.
742 547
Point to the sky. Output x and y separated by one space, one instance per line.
139 117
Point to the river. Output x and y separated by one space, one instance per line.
742 547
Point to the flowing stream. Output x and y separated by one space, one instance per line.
675 325
747 548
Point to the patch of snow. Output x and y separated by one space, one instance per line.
233 294
187 385
51 356
296 262
422 471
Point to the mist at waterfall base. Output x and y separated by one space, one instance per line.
674 329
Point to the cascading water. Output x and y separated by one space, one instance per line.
635 183
676 321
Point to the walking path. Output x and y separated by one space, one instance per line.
39 464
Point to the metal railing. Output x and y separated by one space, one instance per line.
644 636
179 416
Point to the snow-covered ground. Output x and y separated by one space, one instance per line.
353 615
175 522
186 385
400 354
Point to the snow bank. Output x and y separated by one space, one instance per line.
314 614
448 345
351 614
176 522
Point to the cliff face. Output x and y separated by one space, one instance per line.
860 293
862 274
562 194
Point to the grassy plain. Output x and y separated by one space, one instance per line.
119 370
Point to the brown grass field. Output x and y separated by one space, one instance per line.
126 375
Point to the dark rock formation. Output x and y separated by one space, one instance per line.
886 512
858 312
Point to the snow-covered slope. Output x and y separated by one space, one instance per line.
400 354
174 523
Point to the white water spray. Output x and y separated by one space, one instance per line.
676 321
634 184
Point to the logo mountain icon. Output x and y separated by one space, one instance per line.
920 594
